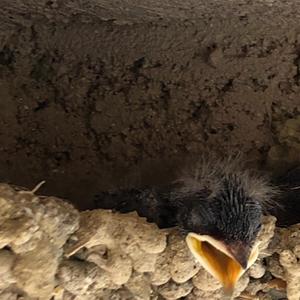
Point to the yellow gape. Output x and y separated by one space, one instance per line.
217 260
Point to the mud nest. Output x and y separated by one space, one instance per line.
49 250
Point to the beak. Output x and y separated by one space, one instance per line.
227 263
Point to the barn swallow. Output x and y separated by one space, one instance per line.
218 206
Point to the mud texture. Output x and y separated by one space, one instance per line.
101 94
50 251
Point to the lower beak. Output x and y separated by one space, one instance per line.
227 263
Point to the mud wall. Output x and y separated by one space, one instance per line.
96 94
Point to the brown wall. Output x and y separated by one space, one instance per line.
100 95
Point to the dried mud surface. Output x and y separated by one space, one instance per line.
101 94
50 251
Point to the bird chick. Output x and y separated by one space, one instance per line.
221 207
218 206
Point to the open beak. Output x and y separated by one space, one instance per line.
227 263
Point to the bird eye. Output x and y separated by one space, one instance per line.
258 228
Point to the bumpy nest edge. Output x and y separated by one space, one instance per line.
48 250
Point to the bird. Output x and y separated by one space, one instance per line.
218 205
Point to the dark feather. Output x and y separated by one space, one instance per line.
151 203
218 198
288 211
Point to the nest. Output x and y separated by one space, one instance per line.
48 250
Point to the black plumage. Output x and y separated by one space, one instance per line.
218 198
219 206
287 211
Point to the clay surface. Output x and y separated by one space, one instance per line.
48 250
102 94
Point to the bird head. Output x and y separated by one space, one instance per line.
222 227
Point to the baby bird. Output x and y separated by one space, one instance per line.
218 206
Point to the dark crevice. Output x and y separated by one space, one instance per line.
7 57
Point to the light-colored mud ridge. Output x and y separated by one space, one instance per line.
51 251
